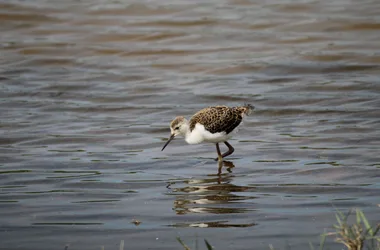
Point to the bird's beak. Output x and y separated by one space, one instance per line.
170 139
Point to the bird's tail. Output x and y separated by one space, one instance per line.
246 109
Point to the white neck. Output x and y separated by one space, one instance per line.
185 130
193 137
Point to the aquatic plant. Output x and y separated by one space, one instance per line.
355 236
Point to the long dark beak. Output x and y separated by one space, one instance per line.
170 139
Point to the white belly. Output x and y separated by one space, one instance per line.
200 134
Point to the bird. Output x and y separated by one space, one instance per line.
213 124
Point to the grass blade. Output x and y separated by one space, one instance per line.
209 247
121 245
322 242
311 246
338 219
341 215
366 223
358 220
183 244
376 230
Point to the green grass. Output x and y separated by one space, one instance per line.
357 235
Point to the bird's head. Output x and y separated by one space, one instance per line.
178 126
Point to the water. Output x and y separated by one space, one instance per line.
88 88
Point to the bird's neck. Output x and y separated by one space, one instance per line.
194 137
185 130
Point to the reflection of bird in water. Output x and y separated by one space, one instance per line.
211 196
219 177
213 124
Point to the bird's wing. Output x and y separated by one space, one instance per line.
217 119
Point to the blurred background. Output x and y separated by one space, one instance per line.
88 89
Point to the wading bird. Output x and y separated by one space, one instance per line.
212 124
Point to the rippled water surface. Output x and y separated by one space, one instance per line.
88 88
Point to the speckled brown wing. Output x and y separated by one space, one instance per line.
217 119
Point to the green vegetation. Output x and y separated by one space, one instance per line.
357 235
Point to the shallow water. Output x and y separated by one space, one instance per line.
88 88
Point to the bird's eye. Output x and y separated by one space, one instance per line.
176 128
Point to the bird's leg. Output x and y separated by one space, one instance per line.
220 157
230 149
220 166
229 152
